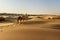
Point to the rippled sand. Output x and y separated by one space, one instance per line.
31 30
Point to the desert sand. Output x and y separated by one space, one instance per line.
34 29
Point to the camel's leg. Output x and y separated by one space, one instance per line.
20 21
23 20
17 21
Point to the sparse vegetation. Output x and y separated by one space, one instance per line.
2 19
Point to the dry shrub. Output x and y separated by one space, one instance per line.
2 19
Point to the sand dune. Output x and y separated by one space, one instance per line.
5 24
29 33
31 30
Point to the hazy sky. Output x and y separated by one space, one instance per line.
30 6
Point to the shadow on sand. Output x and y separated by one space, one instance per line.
34 22
57 26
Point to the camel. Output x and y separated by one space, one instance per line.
21 18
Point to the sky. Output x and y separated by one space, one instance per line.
30 6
